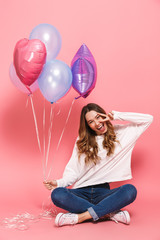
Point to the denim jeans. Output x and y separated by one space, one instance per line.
99 199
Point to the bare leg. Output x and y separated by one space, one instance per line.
84 216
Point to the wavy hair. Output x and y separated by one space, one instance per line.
87 143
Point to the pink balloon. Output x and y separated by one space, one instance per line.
28 59
18 84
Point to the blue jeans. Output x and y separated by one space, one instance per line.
99 199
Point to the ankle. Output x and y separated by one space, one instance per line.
84 216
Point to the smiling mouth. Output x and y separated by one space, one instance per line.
100 126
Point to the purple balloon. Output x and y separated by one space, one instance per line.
84 71
18 84
83 75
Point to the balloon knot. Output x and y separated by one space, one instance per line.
77 97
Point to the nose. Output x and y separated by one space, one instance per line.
96 122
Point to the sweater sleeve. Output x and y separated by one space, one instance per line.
71 172
138 120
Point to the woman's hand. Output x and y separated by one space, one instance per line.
50 184
106 117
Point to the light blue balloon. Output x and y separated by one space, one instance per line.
55 80
50 36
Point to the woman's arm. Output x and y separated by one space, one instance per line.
72 170
139 120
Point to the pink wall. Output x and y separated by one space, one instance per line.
124 37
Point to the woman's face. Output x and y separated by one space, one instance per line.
94 122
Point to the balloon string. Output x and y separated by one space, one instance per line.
28 88
65 123
27 103
62 134
44 142
59 110
49 134
35 121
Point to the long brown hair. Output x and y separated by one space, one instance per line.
87 143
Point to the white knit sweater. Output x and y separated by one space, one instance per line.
116 167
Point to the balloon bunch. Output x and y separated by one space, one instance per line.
34 66
34 60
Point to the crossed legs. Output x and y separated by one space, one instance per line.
112 200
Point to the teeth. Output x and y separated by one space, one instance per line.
100 127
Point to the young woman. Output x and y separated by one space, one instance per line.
102 154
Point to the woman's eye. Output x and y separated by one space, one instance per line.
98 116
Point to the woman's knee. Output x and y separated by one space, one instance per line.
57 194
131 192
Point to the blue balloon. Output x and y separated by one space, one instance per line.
55 80
50 36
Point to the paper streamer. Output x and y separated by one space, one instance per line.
23 221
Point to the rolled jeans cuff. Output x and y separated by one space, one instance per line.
93 214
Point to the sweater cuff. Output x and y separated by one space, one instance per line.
115 115
60 183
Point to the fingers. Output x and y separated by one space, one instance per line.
106 117
102 114
48 182
111 115
48 185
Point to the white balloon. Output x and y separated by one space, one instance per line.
50 36
55 80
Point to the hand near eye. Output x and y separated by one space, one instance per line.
106 117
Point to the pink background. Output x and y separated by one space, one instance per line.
124 37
